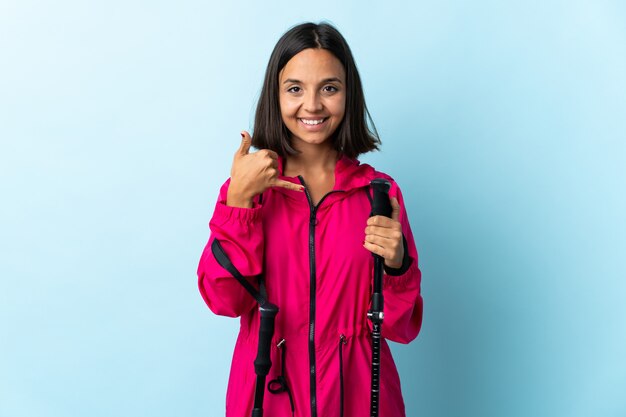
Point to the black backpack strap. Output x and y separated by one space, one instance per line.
225 262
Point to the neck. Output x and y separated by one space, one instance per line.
312 159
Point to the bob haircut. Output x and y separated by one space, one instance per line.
353 136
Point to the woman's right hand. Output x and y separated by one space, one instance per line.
253 173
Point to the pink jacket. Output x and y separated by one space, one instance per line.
319 275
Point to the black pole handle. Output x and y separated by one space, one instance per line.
381 206
263 362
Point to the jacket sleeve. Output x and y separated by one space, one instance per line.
240 231
403 300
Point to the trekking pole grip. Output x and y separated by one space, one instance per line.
381 206
263 363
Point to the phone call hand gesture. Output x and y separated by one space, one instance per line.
253 173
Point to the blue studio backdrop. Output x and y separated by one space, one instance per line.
503 121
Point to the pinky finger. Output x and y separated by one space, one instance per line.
375 249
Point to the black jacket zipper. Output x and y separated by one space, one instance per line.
312 295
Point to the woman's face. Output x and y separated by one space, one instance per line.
312 96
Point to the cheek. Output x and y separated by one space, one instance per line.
287 108
339 108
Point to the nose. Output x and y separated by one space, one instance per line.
312 102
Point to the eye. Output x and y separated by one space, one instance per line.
294 89
330 89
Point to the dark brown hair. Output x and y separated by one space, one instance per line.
354 135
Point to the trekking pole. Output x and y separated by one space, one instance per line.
380 207
267 311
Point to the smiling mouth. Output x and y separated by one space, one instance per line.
313 122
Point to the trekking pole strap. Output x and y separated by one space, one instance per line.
220 256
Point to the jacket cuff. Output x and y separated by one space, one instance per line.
224 213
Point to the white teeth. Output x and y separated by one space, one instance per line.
312 122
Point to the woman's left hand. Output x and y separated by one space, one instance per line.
383 236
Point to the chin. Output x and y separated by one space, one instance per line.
313 140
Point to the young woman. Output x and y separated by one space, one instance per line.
297 212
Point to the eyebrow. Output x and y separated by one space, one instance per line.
325 80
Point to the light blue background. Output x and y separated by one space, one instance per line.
504 123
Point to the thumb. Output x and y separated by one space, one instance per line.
246 142
395 209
